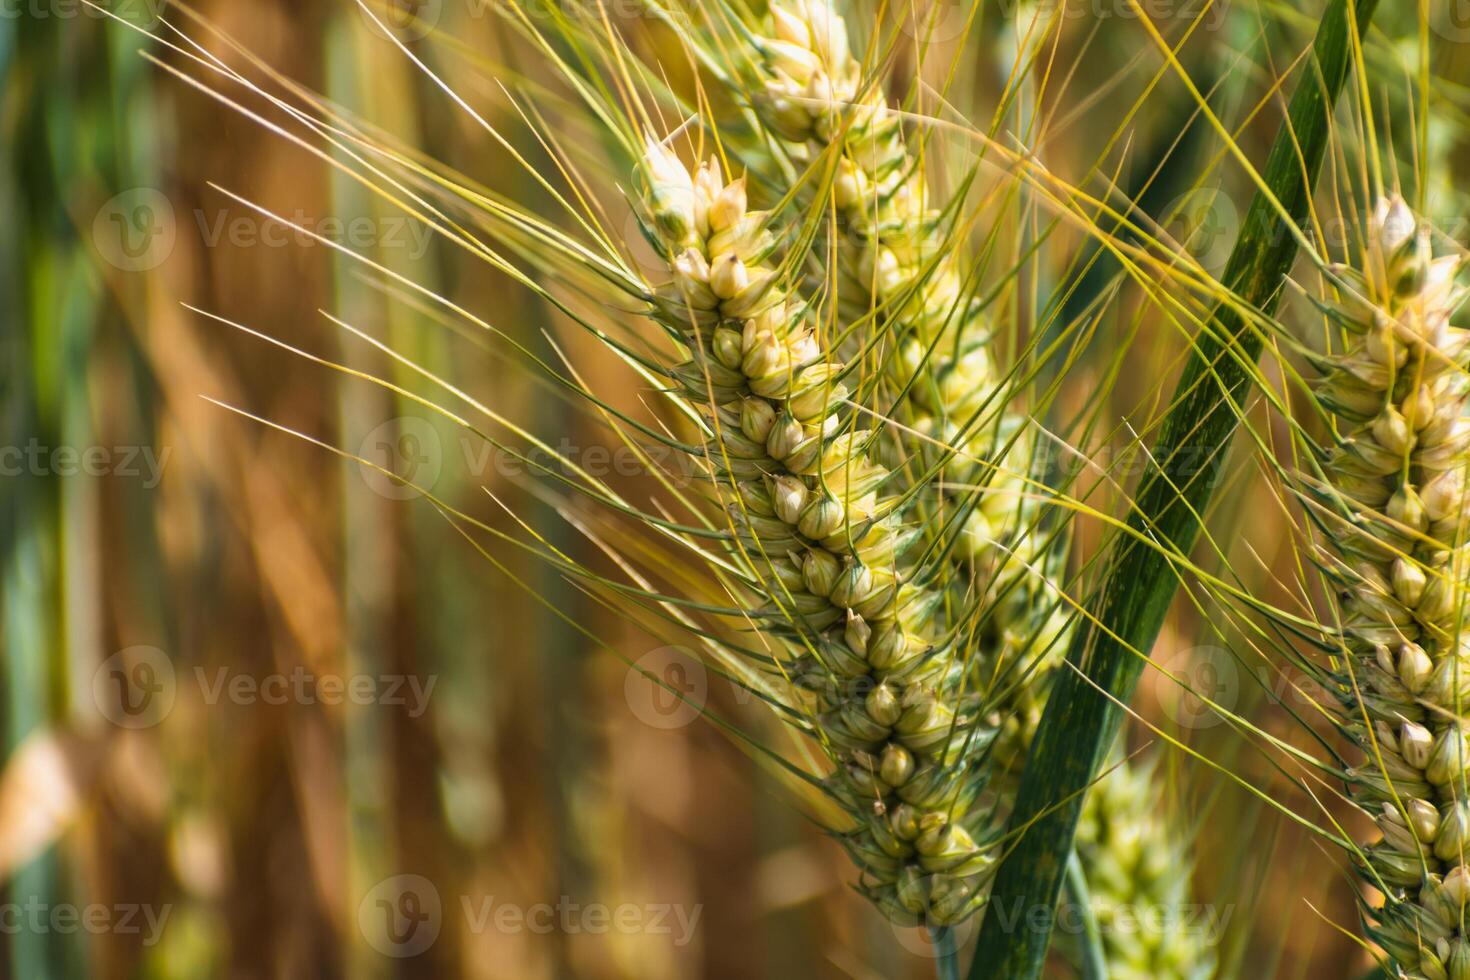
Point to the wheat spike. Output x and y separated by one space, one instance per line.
864 644
1134 855
899 265
1393 514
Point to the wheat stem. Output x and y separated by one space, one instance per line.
946 952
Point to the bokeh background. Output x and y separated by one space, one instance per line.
265 714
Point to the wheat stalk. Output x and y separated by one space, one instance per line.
903 277
893 247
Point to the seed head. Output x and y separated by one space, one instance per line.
1401 515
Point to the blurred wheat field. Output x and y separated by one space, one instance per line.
271 712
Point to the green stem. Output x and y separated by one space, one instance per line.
1090 946
947 966
1082 714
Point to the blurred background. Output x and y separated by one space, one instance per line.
267 715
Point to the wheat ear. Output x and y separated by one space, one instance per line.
901 269
1393 512
886 685
1137 867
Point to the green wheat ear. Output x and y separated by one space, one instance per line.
1134 855
856 632
903 275
1392 511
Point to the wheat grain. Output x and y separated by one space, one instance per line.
903 269
893 249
